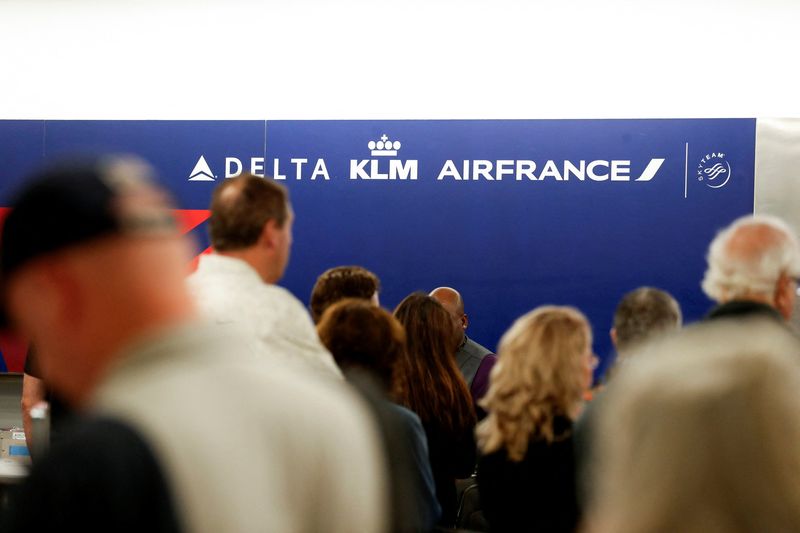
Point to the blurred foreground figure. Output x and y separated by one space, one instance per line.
182 433
701 432
251 232
526 474
753 266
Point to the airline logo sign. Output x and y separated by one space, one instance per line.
201 171
384 164
714 170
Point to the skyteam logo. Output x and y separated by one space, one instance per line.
714 170
201 171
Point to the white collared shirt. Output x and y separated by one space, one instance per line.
275 324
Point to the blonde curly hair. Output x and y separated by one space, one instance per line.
541 373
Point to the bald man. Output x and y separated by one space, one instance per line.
92 268
753 267
474 361
251 232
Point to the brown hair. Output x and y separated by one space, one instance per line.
341 282
539 375
241 206
433 386
361 335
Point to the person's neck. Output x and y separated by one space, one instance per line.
255 258
751 297
112 337
464 340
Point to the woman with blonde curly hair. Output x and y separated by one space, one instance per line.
526 474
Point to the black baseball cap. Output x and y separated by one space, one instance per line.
75 202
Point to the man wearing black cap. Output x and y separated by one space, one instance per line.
93 274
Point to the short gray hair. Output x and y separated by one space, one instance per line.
749 256
643 313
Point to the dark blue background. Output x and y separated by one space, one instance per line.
507 246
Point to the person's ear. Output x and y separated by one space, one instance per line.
464 321
613 335
269 234
45 295
785 294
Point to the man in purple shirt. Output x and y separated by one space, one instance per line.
474 361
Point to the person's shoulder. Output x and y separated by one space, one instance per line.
281 295
474 348
487 362
98 477
408 418
405 412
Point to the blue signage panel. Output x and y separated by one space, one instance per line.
21 151
514 214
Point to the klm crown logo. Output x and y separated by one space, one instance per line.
384 147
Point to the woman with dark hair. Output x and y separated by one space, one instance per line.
433 387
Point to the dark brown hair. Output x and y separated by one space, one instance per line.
361 335
241 206
433 387
341 282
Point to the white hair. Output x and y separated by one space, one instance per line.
700 433
749 256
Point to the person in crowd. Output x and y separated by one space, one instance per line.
367 340
701 434
343 282
35 393
641 315
753 266
251 233
182 430
434 389
474 360
526 473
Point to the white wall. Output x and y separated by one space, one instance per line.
410 59
778 175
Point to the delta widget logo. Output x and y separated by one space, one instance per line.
201 171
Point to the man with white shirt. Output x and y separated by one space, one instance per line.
251 232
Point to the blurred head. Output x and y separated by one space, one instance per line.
451 300
755 258
251 218
700 432
91 258
361 335
434 387
544 367
343 282
641 314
